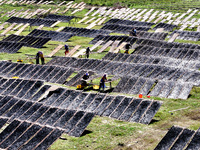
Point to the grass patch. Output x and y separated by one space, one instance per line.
109 132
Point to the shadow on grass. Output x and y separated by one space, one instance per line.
52 44
154 121
86 132
107 91
189 95
91 89
88 89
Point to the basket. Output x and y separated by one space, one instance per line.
95 87
79 86
15 77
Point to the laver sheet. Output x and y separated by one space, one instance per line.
180 138
39 108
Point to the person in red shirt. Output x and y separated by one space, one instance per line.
66 49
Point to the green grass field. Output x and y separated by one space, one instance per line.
104 133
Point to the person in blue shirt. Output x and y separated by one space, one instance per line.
102 82
134 32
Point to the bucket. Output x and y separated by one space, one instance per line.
140 95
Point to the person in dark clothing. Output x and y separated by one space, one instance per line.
40 55
37 58
84 79
42 60
87 52
86 76
102 82
127 47
134 32
66 49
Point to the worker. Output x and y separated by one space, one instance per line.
127 47
66 49
134 32
86 76
84 79
42 60
87 52
37 58
40 55
102 82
